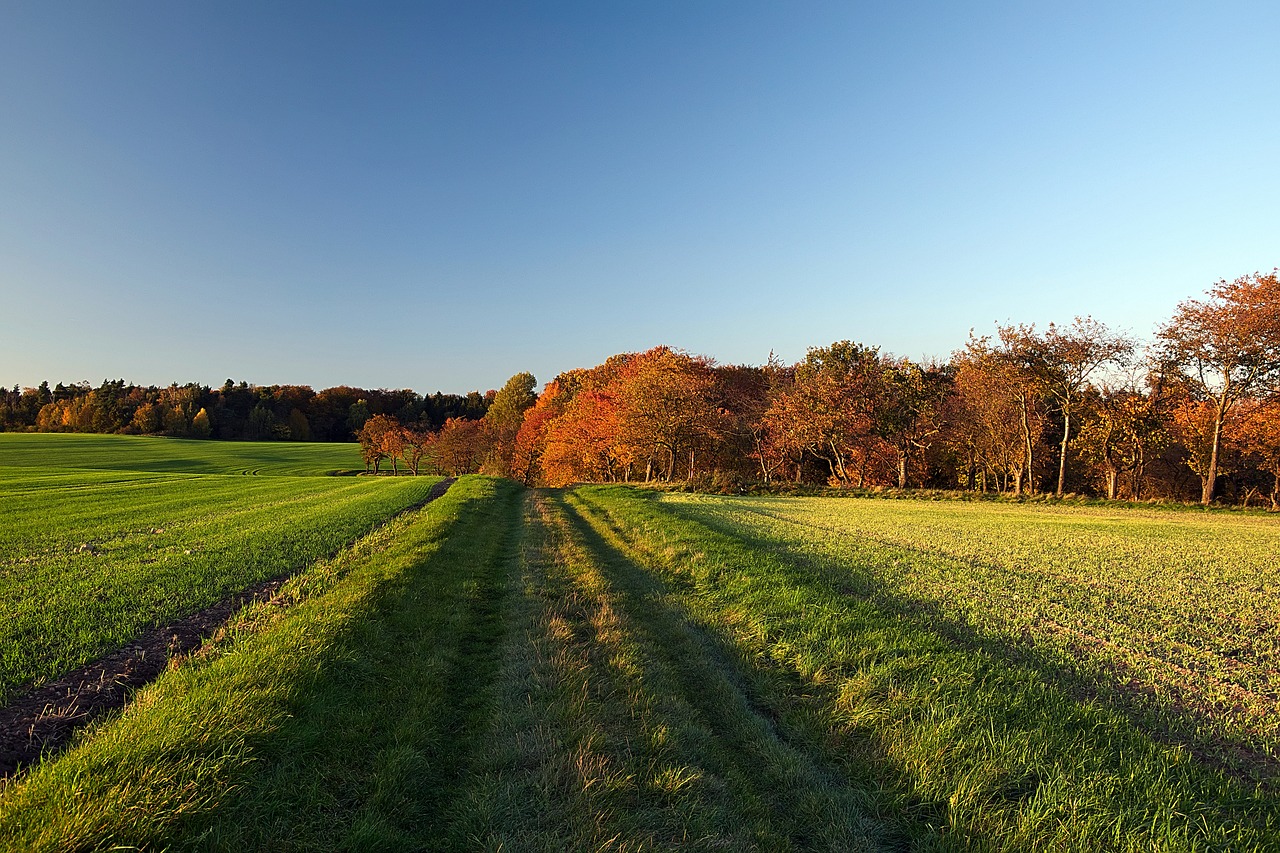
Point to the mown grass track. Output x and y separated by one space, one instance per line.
495 675
622 726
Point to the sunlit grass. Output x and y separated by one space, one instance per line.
175 455
1178 611
610 669
973 742
313 728
90 559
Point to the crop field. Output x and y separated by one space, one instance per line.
174 455
607 668
90 558
1173 612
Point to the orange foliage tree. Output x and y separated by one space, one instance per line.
459 447
1260 435
1223 349
994 418
830 409
666 411
530 443
582 443
380 438
1060 361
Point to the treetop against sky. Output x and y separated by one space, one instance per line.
434 195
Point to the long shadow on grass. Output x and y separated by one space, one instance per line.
378 739
742 710
1217 797
1244 764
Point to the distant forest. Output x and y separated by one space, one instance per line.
240 412
1077 408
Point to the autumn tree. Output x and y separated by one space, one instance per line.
416 445
666 408
147 419
831 405
1061 361
994 418
1222 349
459 446
583 442
531 438
909 415
789 430
381 438
1260 435
1123 433
1210 444
503 419
200 426
747 394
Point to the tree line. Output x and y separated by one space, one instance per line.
1077 408
234 411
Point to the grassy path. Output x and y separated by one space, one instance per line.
622 726
492 673
377 741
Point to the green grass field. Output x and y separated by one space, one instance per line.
1175 614
175 455
90 558
606 668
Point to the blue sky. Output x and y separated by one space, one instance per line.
439 195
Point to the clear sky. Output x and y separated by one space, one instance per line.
439 195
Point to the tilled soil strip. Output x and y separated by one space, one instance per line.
43 719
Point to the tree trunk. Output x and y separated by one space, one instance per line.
1112 477
902 469
836 464
764 469
1206 494
1026 437
1062 458
1138 467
